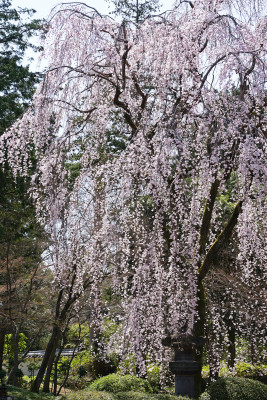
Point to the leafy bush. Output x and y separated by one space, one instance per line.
101 367
246 369
146 396
76 382
92 395
153 377
115 383
205 371
78 379
233 388
85 395
26 382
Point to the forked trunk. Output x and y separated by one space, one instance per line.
47 360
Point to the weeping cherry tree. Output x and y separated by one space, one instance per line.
163 120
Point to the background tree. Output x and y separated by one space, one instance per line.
17 82
20 235
134 10
187 89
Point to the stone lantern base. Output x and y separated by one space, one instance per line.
184 366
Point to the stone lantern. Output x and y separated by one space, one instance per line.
184 366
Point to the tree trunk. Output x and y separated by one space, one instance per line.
50 364
2 343
48 356
231 347
60 319
56 365
55 375
198 331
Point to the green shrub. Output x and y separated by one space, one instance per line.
154 372
251 371
26 382
233 388
100 367
85 395
205 371
146 396
92 395
75 382
120 383
247 369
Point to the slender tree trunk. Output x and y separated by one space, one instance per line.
70 361
60 319
48 356
67 374
55 373
62 345
50 362
2 343
231 347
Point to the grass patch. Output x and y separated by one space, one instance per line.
23 394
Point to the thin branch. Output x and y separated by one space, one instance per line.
75 12
187 1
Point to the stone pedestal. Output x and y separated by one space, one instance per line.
184 366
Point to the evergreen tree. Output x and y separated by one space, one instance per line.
135 10
16 81
21 239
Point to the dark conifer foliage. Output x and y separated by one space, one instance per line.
21 238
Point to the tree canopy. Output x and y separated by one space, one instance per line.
16 81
